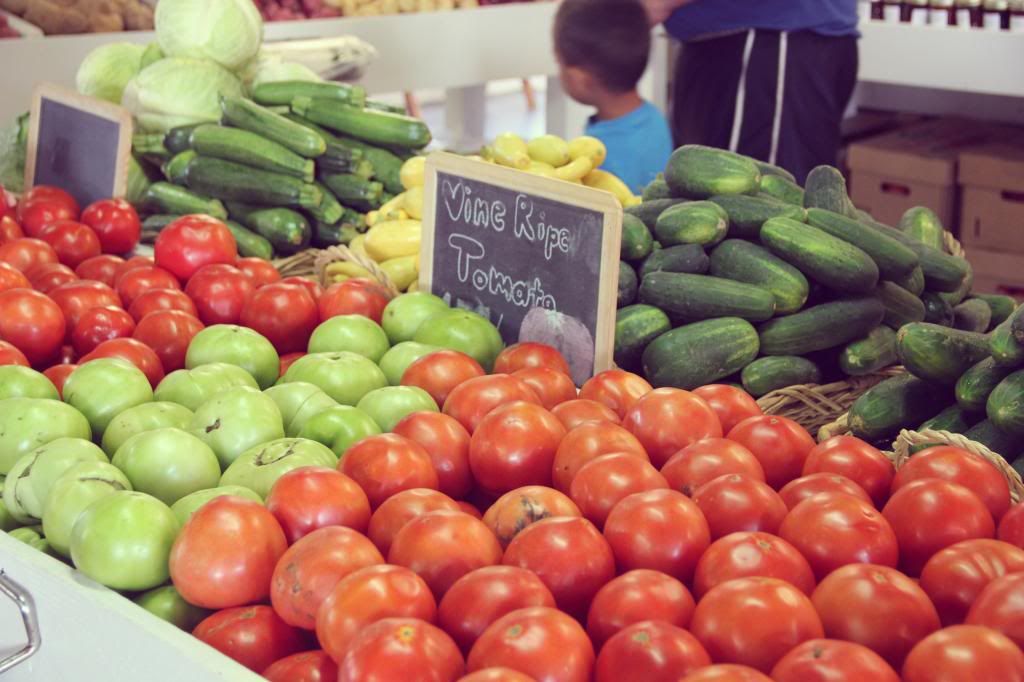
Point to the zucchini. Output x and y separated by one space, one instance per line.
977 383
178 139
375 127
901 306
953 419
822 326
696 222
901 402
150 145
250 244
875 351
156 222
163 197
699 172
748 213
283 92
1000 305
923 225
175 167
340 158
383 106
287 230
825 188
627 285
936 309
355 191
837 264
648 211
892 258
250 149
914 282
1005 348
657 189
637 242
700 353
939 354
635 327
1005 406
782 189
248 115
325 235
994 438
768 374
387 166
688 258
743 261
700 297
330 210
972 315
235 182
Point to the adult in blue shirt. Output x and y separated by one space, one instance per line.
767 78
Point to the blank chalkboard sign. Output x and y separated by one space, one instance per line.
537 256
79 144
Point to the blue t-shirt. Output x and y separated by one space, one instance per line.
638 143
710 17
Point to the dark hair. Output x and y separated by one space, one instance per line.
609 38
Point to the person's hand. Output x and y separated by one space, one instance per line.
659 10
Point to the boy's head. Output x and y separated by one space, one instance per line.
602 46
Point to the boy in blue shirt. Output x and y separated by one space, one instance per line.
602 48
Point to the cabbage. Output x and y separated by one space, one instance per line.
151 55
272 69
174 92
107 69
229 32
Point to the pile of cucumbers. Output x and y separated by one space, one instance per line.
297 165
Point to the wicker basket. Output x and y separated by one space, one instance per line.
312 264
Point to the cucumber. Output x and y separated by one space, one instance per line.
822 326
354 191
743 261
375 127
972 315
837 264
939 354
782 189
825 188
688 258
923 225
250 244
699 172
163 197
1005 406
901 306
700 353
936 309
657 189
175 167
994 438
648 211
235 182
954 298
942 272
976 384
700 297
768 374
953 419
768 169
901 402
283 92
627 285
637 241
287 230
1000 306
329 211
914 282
892 258
248 115
875 351
250 149
748 213
156 222
697 222
1005 348
635 327
178 139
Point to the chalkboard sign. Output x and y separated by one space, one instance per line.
79 144
539 257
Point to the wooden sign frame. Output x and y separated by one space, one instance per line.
99 108
545 188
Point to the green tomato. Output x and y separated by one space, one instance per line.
123 541
168 464
259 468
397 360
145 417
463 331
187 506
405 313
21 382
340 427
27 535
27 423
344 376
167 604
72 493
353 333
235 345
28 484
297 401
234 421
192 387
390 405
102 389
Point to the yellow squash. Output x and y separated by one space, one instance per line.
549 149
411 174
510 150
599 179
575 170
402 271
412 202
589 147
393 239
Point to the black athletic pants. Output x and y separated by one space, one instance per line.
792 89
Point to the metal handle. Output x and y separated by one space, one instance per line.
20 596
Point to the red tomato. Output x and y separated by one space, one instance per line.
226 553
834 529
930 514
402 649
100 268
26 253
138 281
168 333
578 412
401 508
659 529
191 242
49 276
220 293
731 404
472 399
308 666
387 464
57 374
47 193
517 509
261 271
496 675
352 298
254 636
367 596
799 489
650 651
827 660
284 313
587 442
954 577
706 460
309 498
131 264
35 215
9 229
513 446
1000 606
779 443
74 298
1011 526
287 360
469 508
858 461
12 278
634 597
530 355
616 390
668 419
726 672
965 652
310 285
601 483
748 555
9 355
73 242
133 351
439 373
116 224
962 467
569 555
67 355
447 443
754 621
551 386
32 323
734 503
97 325
310 569
156 300
541 642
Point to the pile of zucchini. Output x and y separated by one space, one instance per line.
297 165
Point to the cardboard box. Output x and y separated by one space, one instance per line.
992 180
997 272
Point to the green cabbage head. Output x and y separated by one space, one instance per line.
106 70
177 91
229 32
